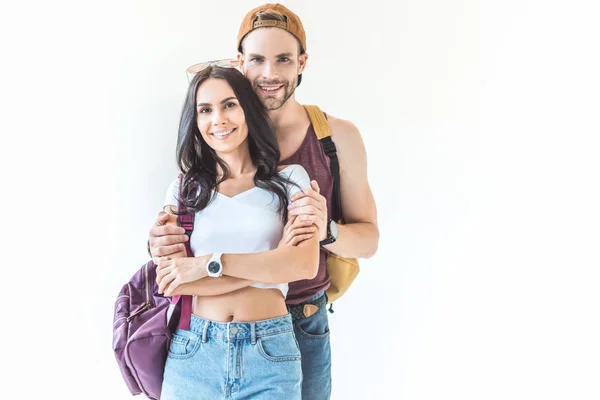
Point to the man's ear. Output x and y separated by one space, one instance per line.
302 62
240 58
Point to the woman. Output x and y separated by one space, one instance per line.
241 339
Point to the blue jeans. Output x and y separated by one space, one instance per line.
236 360
312 334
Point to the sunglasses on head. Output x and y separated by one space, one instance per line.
225 63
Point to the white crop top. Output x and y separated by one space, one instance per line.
245 223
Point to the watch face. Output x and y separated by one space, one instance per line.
214 267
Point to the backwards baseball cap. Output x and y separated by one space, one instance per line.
292 24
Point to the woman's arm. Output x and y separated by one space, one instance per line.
187 275
298 260
200 287
286 263
282 265
210 286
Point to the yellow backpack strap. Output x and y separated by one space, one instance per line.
323 132
319 123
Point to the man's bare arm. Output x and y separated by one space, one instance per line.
359 236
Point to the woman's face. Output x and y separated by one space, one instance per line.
221 120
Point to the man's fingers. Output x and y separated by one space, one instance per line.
306 201
162 218
158 231
163 251
169 240
308 210
303 193
315 186
314 218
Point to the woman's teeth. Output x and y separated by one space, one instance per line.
222 134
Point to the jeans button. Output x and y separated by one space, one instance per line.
234 330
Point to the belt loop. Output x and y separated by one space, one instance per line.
228 338
205 331
253 332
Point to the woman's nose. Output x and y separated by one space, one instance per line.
219 119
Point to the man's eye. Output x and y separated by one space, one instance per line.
284 59
255 60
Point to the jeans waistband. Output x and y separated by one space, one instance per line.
297 310
230 331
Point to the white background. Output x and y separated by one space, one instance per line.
480 120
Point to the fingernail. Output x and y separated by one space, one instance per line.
186 238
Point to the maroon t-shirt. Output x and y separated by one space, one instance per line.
316 163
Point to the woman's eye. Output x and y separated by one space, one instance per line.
204 110
229 105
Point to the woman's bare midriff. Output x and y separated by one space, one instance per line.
248 304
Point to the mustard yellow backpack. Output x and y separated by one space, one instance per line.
342 271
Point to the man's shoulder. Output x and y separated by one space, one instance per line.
342 129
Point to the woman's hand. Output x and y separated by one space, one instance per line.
296 231
172 273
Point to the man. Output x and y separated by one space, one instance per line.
272 55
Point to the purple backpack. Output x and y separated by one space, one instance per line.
144 324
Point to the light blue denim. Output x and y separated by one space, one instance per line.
312 334
236 360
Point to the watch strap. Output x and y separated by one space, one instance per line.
329 239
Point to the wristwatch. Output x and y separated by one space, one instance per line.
214 267
332 233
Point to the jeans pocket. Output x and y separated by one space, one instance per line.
279 347
184 344
314 327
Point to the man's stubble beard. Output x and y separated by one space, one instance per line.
272 104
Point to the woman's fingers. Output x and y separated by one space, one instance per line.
299 239
300 231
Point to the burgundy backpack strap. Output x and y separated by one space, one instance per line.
186 221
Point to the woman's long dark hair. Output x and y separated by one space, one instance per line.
198 161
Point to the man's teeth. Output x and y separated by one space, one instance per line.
270 89
221 134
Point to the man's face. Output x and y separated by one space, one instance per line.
272 63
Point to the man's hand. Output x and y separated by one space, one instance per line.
296 231
309 205
166 238
172 273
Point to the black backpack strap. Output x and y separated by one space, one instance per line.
323 132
